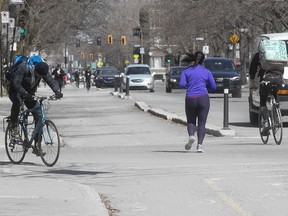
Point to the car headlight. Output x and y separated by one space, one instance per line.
236 78
173 80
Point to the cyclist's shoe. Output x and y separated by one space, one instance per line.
190 142
38 152
15 131
200 148
265 131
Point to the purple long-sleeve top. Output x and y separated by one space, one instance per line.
197 80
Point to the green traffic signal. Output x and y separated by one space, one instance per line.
22 34
168 60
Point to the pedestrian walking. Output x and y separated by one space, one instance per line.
197 80
58 75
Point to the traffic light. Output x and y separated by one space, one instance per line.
91 55
123 40
22 34
99 41
110 39
167 58
82 55
21 24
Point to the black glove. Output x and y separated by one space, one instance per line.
27 96
58 94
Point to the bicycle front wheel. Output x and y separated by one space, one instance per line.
15 149
49 144
277 125
263 124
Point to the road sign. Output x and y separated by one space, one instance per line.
5 16
206 49
234 38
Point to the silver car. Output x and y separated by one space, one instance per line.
140 77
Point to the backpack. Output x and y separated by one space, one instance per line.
8 72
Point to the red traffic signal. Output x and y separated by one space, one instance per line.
110 39
123 40
21 21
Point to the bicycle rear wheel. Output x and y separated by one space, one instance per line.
15 149
277 125
262 127
49 144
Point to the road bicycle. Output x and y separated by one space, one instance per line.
43 137
270 118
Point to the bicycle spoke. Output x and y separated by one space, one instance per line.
262 127
49 144
277 125
15 149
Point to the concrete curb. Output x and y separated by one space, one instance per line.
210 129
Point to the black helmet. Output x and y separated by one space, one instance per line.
41 68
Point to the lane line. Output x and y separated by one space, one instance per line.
228 200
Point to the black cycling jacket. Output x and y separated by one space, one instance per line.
23 82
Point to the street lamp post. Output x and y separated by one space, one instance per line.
244 31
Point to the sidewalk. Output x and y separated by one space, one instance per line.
25 196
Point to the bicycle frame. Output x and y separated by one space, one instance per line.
273 116
45 135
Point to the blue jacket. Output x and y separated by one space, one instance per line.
197 80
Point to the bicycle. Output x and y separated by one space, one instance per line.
273 120
46 145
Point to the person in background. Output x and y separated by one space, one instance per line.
88 78
58 75
197 80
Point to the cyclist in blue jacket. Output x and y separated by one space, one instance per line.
197 80
25 81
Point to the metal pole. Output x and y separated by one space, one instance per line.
121 81
116 83
226 109
127 86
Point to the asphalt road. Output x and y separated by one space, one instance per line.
138 161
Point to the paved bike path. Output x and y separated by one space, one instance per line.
26 196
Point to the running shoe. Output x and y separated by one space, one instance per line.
190 142
200 148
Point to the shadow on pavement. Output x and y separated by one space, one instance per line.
74 172
164 151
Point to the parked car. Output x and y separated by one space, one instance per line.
225 73
173 78
105 77
254 96
140 77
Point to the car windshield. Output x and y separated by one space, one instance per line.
107 72
137 70
176 71
219 65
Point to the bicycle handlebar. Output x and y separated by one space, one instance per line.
42 98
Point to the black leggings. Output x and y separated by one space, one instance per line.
197 108
15 109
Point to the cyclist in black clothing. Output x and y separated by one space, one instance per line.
24 85
255 67
88 78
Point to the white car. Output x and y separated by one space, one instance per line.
140 77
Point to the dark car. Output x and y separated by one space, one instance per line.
225 75
105 77
173 78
